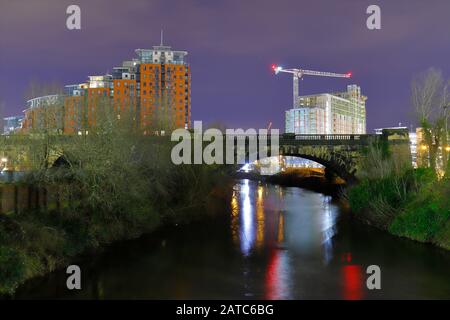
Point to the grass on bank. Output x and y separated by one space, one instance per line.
411 203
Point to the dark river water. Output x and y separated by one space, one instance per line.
275 243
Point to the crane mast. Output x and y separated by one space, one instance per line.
299 73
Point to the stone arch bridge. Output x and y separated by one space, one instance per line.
342 154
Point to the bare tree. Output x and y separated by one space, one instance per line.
430 95
45 121
39 89
163 117
2 114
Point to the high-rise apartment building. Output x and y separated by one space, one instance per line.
153 88
329 113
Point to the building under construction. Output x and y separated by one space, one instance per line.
329 113
325 113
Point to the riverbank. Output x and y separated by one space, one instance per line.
413 205
36 242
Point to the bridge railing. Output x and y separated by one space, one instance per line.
324 139
327 137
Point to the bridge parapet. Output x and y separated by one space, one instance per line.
329 139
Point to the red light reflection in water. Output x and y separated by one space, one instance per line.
273 284
346 257
352 282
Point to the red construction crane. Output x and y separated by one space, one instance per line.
299 73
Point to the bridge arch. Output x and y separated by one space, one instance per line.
347 174
341 161
61 162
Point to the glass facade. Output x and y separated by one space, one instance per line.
337 113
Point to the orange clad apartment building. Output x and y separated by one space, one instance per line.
158 79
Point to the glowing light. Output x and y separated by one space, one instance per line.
260 192
328 226
423 147
277 282
447 148
352 282
260 218
247 233
276 68
235 218
349 74
246 167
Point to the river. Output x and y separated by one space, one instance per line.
275 243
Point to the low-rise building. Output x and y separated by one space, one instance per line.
12 124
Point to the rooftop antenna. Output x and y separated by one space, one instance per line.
162 35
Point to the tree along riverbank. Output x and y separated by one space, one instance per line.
112 184
36 242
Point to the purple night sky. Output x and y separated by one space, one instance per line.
231 45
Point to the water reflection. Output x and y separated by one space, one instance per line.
278 276
259 220
352 279
328 222
247 220
282 243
